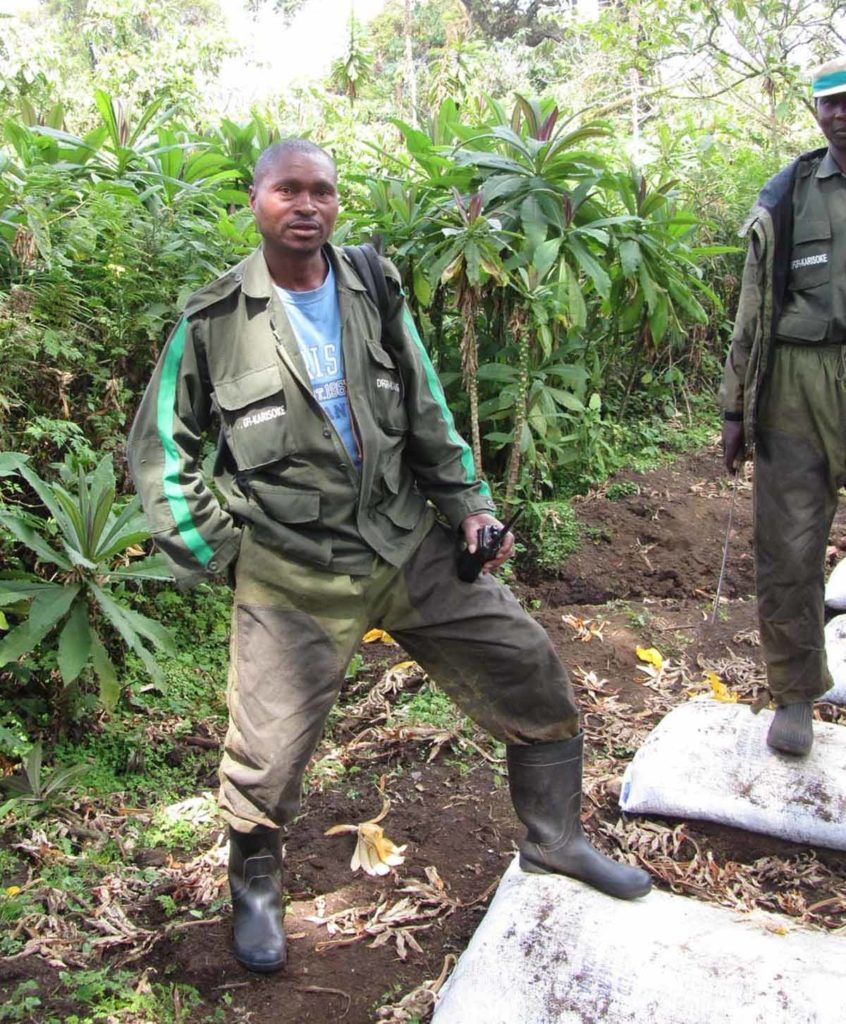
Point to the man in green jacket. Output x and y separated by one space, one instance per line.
784 391
336 449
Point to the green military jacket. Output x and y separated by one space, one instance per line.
280 466
764 290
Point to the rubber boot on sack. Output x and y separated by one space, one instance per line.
255 881
792 730
545 780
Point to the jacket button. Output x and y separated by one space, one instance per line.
327 432
212 566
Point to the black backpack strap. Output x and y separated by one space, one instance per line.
369 269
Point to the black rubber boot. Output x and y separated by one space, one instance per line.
255 881
546 789
791 730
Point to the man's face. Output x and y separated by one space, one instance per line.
831 116
295 203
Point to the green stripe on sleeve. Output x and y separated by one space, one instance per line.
165 404
438 394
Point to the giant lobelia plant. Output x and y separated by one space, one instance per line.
87 545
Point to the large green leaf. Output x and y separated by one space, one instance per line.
11 462
32 767
154 567
566 399
490 161
24 586
61 779
131 520
514 140
629 256
45 493
106 673
501 185
498 372
650 290
102 500
75 642
48 608
535 224
659 317
576 300
575 373
75 537
591 267
686 300
132 626
545 255
33 540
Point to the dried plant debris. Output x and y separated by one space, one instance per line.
68 928
787 885
420 1002
419 907
802 886
584 629
750 637
744 675
376 703
110 916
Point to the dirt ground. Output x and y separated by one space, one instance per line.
645 576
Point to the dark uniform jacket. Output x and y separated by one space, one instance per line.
280 465
766 283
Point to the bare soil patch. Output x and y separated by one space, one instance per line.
645 576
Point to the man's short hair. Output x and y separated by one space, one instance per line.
273 154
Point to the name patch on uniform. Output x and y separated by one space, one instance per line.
262 417
809 261
332 389
391 385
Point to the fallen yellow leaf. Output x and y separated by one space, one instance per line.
13 890
719 690
374 852
377 636
650 656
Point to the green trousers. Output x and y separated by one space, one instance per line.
800 464
296 628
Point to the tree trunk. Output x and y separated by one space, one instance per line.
469 368
409 65
521 336
634 77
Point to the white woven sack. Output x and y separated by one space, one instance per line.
710 760
835 587
835 649
553 951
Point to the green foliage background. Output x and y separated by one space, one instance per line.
562 194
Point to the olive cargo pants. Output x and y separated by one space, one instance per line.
296 628
800 464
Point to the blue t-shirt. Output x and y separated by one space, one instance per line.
316 319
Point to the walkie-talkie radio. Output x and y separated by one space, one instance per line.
488 542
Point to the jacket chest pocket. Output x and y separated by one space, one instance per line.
387 392
810 257
253 412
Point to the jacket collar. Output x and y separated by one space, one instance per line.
257 283
828 166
